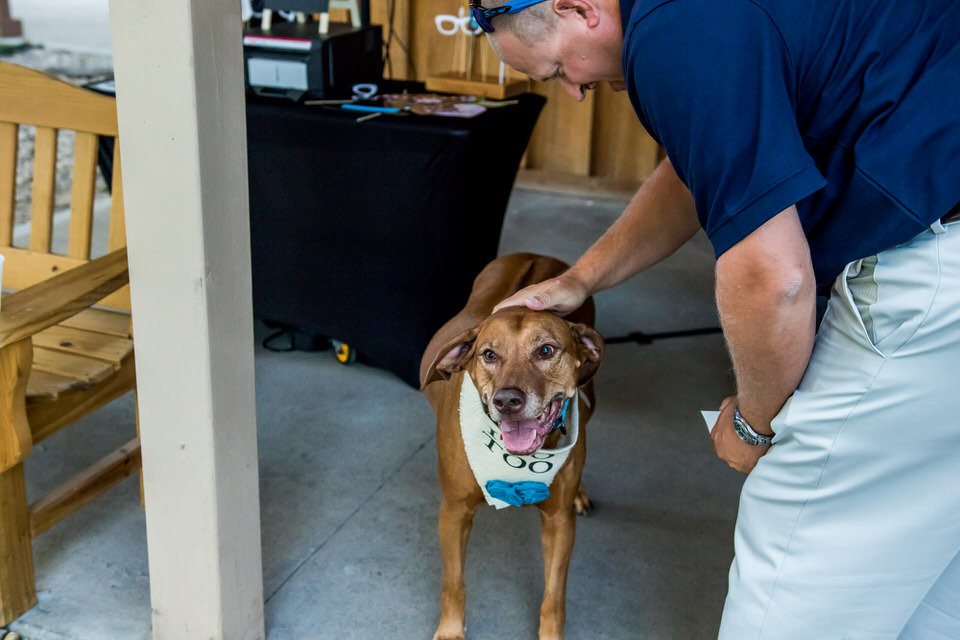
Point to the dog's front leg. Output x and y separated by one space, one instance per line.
456 521
557 532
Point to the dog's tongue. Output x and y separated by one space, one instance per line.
519 435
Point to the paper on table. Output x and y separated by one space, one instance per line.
710 417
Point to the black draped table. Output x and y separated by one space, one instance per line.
372 232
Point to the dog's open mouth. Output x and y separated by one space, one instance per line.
523 437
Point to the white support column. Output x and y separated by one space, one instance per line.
183 143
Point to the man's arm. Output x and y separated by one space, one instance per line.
659 219
766 296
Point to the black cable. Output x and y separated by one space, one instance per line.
413 65
285 331
387 62
640 337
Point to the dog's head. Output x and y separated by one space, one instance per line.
525 364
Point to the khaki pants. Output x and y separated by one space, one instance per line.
849 527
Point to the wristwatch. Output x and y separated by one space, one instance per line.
746 432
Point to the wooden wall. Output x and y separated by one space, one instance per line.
599 139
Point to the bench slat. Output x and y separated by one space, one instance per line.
118 224
43 385
82 369
81 196
44 189
112 323
24 268
8 180
90 344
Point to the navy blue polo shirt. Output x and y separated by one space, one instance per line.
849 109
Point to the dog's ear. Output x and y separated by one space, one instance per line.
590 350
451 357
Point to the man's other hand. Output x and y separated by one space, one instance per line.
727 444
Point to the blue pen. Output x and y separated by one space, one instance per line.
361 107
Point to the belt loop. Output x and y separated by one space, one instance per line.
937 227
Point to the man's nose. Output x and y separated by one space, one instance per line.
509 400
575 90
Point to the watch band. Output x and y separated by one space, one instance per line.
746 432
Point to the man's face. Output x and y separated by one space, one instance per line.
578 53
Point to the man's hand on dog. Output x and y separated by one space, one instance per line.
562 294
727 444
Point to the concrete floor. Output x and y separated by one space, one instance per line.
349 489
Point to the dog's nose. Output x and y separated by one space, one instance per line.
509 400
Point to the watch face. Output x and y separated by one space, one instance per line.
746 435
743 433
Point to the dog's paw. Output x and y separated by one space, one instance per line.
450 631
581 502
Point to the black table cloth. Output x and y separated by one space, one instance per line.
372 232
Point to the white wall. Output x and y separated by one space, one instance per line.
77 25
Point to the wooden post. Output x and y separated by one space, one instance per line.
17 590
181 113
9 28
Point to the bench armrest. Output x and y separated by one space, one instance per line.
52 301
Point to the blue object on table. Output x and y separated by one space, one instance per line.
363 107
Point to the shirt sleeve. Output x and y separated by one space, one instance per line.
714 83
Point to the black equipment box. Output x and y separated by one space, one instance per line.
293 59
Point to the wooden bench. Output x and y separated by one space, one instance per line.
66 343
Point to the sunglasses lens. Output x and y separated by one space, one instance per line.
482 22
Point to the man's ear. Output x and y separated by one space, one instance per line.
590 350
451 357
586 9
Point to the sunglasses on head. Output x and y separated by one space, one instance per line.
482 16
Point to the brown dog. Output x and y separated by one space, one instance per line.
524 366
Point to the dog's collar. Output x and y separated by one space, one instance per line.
560 420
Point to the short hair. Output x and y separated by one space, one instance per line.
531 25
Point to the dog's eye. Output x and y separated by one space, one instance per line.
489 355
547 350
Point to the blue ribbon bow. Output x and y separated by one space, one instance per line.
518 493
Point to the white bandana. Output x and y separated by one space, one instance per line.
491 462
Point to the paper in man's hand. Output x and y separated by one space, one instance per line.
710 417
